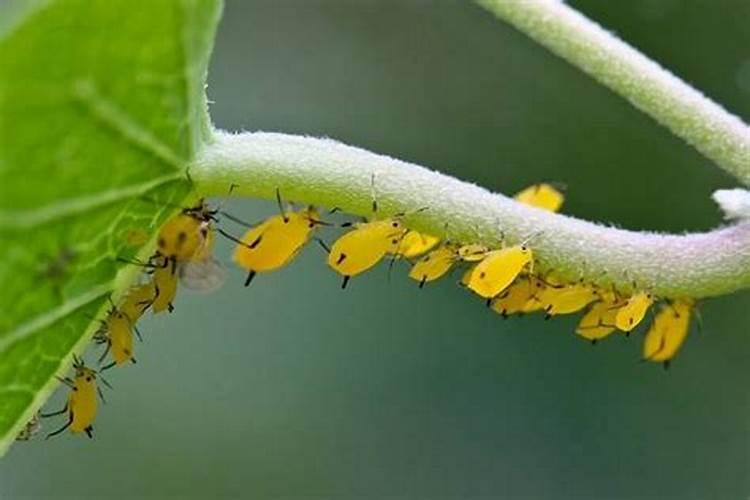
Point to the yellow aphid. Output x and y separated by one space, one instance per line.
164 278
276 241
542 196
538 285
361 248
598 322
117 333
515 298
466 276
634 310
187 235
434 265
138 300
567 299
414 243
81 405
473 252
668 331
498 270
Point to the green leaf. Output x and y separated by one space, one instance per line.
101 108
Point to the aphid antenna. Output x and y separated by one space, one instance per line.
531 237
66 381
409 213
237 220
547 283
318 222
78 362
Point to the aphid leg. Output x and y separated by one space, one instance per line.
138 333
250 275
390 267
135 262
89 432
488 302
107 367
170 307
323 245
698 320
66 381
54 413
281 206
61 429
422 281
104 354
101 394
104 381
593 341
666 364
239 241
345 282
372 194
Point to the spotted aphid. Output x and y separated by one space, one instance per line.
117 334
567 299
81 406
164 278
363 247
498 270
275 242
435 264
633 311
368 243
515 298
473 252
189 234
413 244
599 320
137 301
542 196
668 331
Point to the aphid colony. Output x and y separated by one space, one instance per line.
503 277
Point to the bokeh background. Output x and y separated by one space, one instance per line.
293 388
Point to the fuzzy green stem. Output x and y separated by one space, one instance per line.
712 130
328 173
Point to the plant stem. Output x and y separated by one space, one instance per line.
712 130
328 173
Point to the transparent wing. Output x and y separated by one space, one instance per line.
206 275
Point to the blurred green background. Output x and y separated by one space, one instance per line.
295 389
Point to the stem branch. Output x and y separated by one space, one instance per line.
328 173
719 135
